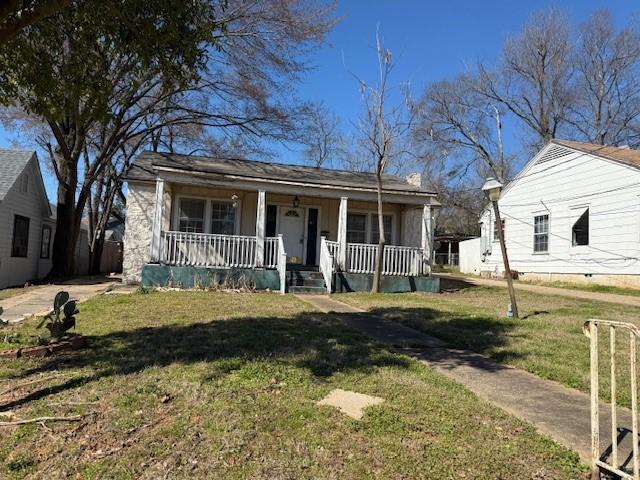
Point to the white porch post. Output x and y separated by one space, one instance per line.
260 226
427 235
342 234
157 220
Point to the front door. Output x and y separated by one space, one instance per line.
292 230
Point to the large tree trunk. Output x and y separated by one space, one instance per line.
377 273
95 257
67 227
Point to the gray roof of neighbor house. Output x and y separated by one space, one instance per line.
617 154
145 169
12 163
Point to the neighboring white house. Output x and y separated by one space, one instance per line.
189 217
572 214
26 223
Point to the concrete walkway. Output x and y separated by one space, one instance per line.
39 301
559 412
559 292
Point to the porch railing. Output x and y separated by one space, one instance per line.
397 260
327 261
612 464
282 264
212 250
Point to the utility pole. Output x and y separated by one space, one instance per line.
493 189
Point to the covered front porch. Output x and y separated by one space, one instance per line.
221 226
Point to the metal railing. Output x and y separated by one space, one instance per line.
396 260
327 263
611 463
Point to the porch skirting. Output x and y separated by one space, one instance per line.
361 282
154 275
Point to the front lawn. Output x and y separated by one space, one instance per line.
547 341
215 385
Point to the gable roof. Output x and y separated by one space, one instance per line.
624 155
12 164
146 166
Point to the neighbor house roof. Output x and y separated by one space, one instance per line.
12 163
617 154
146 166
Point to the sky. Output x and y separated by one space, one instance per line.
430 40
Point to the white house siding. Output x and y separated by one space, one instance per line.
563 188
15 271
138 228
469 256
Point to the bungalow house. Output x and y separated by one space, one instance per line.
571 214
200 220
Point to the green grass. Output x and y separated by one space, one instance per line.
214 385
547 341
634 292
12 292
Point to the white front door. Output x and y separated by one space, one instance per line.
292 230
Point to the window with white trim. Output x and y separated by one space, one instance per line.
191 215
356 228
388 226
223 218
580 230
541 233
45 242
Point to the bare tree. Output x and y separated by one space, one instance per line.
18 14
464 126
533 79
321 135
606 107
383 133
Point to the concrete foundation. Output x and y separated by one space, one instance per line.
625 281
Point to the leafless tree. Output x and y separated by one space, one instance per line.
18 14
606 107
533 80
464 126
321 135
383 130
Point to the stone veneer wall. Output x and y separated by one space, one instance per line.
138 228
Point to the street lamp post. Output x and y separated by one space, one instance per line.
493 188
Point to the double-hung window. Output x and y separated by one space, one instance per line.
388 222
580 230
45 242
357 228
223 218
20 243
191 215
541 234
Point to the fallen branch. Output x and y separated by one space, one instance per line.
26 384
72 418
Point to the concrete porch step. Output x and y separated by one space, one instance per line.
309 290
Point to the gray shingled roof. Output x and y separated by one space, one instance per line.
145 169
12 163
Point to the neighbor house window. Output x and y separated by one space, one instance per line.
223 218
496 238
388 222
46 241
20 245
541 233
191 215
356 228
580 230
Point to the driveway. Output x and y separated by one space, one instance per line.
39 301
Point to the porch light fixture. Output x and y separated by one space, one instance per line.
234 197
493 188
296 202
